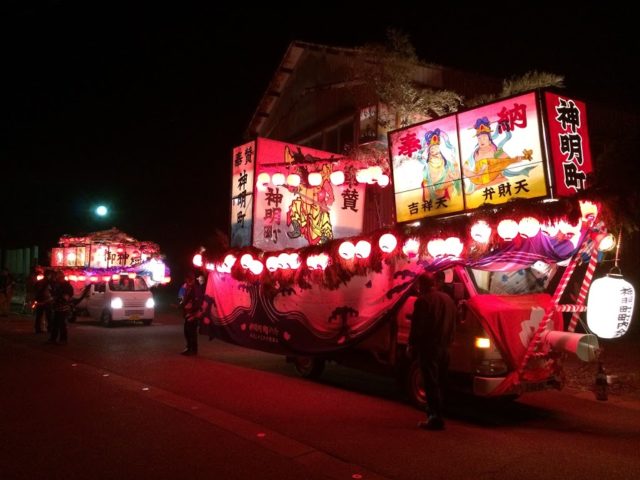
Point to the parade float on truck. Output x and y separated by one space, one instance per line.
496 197
111 274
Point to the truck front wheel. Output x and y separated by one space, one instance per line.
414 385
309 367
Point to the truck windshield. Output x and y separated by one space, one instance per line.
533 279
126 284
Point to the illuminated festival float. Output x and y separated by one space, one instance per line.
111 274
496 197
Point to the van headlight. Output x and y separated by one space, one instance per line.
149 303
116 302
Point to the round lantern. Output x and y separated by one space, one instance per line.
453 246
293 179
315 179
607 243
272 264
383 180
337 178
387 242
609 306
278 179
549 228
283 261
347 250
481 231
256 267
294 261
411 247
436 247
508 229
262 181
245 260
363 249
210 266
229 261
363 176
197 260
529 227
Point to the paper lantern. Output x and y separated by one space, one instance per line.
363 176
293 179
387 242
81 278
315 179
481 232
294 261
383 180
229 260
272 264
363 249
337 178
411 247
347 250
529 227
256 267
318 262
609 306
197 260
607 243
278 179
283 261
245 260
508 229
436 247
453 246
93 278
262 181
549 228
39 277
210 266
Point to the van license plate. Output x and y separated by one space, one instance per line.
134 317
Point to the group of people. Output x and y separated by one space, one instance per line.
53 296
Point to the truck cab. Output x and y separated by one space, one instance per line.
116 300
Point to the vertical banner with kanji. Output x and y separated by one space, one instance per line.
569 143
501 152
426 170
299 202
242 194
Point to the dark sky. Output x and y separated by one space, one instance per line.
139 106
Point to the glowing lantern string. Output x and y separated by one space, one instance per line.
436 247
278 179
363 249
453 246
481 232
272 264
383 180
529 227
387 242
245 260
293 179
411 247
508 229
347 250
337 178
315 179
256 267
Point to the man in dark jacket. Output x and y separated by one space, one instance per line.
432 330
192 304
62 293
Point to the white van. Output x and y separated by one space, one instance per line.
123 299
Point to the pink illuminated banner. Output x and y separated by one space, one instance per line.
426 170
303 197
569 143
242 194
502 153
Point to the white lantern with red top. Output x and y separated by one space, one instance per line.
388 242
508 229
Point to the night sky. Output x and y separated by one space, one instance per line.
139 107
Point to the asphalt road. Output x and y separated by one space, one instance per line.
122 403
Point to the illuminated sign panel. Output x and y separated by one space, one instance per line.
569 143
501 151
426 170
303 197
242 194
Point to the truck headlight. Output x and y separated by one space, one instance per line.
149 303
116 302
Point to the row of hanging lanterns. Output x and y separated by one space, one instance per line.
368 175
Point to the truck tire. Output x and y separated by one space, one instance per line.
414 385
309 367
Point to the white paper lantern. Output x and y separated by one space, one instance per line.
245 260
383 180
550 229
272 264
278 179
481 231
262 181
436 247
607 243
293 179
347 250
256 267
529 227
197 260
609 306
337 178
508 229
453 246
411 247
315 179
387 242
229 261
363 249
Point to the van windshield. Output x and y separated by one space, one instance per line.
533 279
126 284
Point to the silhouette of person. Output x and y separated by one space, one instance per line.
432 330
